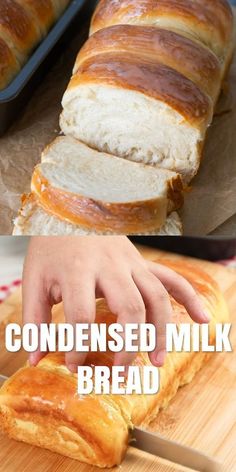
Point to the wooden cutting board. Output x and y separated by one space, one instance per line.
202 415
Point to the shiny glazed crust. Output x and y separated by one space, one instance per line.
40 405
23 24
120 218
149 77
189 58
210 21
17 28
41 12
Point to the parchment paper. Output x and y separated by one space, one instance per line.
209 206
212 200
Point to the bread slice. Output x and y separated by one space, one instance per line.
33 220
95 190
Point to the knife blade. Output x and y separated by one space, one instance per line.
172 451
3 379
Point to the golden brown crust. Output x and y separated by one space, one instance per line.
192 60
32 395
59 6
120 218
150 78
9 66
41 12
40 405
175 194
23 24
27 198
211 21
17 27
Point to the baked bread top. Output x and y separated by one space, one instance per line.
210 21
23 24
171 49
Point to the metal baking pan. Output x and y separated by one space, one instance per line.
16 95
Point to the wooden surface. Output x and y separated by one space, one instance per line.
202 415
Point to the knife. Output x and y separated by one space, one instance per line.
172 451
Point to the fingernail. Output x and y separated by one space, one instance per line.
160 358
206 318
73 368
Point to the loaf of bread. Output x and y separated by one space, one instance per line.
144 87
34 220
40 405
23 24
104 193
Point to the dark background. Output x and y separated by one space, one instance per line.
210 248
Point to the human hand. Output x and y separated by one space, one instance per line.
77 270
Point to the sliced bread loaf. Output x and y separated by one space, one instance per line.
33 220
102 192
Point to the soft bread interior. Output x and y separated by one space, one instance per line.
72 166
32 220
133 126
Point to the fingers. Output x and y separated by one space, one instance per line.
181 290
36 309
125 301
158 311
79 307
